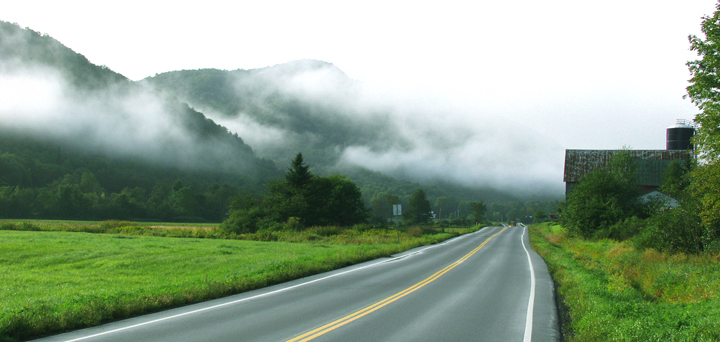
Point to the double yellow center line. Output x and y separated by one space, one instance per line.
372 308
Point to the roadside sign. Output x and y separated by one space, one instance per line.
397 209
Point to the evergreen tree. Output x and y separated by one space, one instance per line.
298 175
418 211
478 209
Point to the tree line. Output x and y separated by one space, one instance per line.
300 199
43 180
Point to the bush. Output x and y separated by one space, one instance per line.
623 230
415 231
244 221
673 230
379 222
294 223
8 226
264 235
362 227
324 231
459 222
603 198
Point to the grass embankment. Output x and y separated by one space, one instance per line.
615 292
53 281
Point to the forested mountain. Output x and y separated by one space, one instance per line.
81 141
312 107
307 103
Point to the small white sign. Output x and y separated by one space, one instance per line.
397 209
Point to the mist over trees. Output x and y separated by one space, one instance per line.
314 104
81 141
344 127
55 95
45 180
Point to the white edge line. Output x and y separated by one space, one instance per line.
531 301
223 304
248 298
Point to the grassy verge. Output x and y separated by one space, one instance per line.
615 292
57 280
359 234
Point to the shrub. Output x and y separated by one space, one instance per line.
8 226
415 231
324 231
623 230
294 223
362 227
244 221
603 198
264 235
443 223
674 230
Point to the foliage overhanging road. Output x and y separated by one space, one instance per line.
473 288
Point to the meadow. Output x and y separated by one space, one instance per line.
613 291
60 275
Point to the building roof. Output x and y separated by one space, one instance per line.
661 197
651 163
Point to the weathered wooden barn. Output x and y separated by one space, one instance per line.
651 164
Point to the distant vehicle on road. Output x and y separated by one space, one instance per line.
512 224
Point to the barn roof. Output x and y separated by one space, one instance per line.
651 163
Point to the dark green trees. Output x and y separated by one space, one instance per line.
441 204
381 205
603 198
298 175
304 198
335 200
703 91
418 210
478 209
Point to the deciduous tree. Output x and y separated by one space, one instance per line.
603 197
704 91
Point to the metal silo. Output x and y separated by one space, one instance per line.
679 136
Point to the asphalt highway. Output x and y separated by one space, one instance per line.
485 286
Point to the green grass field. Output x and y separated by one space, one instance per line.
614 292
54 280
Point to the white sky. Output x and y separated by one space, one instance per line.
584 74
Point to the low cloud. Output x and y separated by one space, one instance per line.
412 136
121 120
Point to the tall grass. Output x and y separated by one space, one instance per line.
358 234
615 292
54 281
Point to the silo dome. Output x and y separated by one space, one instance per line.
679 136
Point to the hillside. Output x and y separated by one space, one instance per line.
82 141
304 103
312 107
169 147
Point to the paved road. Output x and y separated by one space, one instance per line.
478 287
